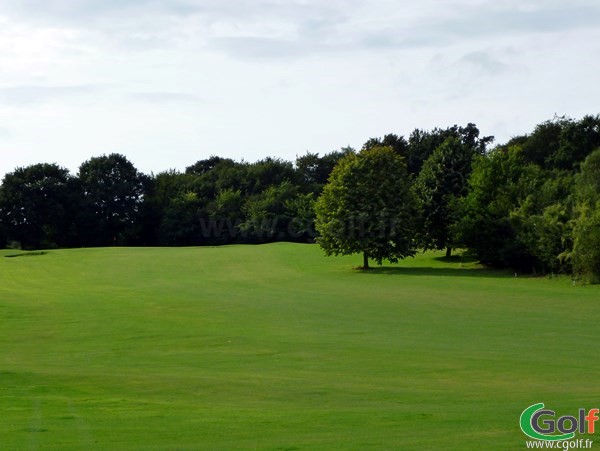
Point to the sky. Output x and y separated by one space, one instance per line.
167 83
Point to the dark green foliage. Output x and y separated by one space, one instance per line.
562 143
217 174
423 143
3 234
439 186
397 143
36 206
111 194
180 225
541 146
314 171
368 207
220 201
266 214
301 214
545 236
578 139
268 173
586 233
205 166
586 249
517 214
588 180
224 217
164 199
500 182
280 213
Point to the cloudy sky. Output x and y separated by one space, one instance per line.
169 82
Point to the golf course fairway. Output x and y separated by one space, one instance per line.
278 347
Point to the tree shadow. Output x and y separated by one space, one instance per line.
26 254
457 259
441 272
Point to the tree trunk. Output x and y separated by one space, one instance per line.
448 252
365 261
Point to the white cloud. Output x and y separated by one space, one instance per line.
27 95
170 82
164 97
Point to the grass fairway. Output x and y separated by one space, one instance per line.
278 347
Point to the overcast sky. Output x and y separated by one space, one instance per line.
167 83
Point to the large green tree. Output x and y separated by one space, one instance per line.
111 190
422 143
442 181
560 143
499 183
36 206
368 207
516 214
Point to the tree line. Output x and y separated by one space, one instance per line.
532 203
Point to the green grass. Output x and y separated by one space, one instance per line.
278 347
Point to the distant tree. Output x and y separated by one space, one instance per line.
397 143
224 217
422 143
267 215
207 165
499 183
172 209
515 141
368 207
309 169
36 206
149 215
269 172
469 136
443 180
300 211
562 143
111 193
586 233
314 170
226 175
586 249
180 225
215 174
544 226
588 180
541 146
516 214
578 139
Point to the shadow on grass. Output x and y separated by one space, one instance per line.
457 259
443 272
26 254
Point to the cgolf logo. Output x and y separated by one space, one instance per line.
541 424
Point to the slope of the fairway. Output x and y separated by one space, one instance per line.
278 347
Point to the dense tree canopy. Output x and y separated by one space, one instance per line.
36 206
530 203
314 170
586 234
439 186
422 143
112 190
